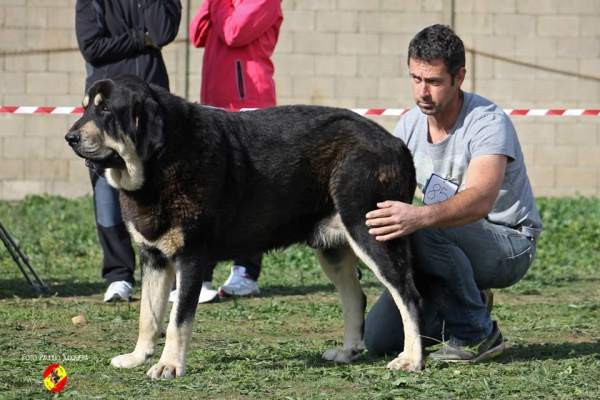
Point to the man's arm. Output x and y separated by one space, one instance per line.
162 20
98 49
484 179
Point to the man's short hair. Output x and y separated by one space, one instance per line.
438 41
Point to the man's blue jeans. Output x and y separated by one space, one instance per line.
465 260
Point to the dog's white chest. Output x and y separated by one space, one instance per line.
168 243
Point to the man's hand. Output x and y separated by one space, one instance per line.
393 219
150 43
484 178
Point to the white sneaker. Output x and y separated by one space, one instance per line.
207 294
118 291
239 283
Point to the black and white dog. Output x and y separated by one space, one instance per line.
199 184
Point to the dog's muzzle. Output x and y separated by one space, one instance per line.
73 138
111 160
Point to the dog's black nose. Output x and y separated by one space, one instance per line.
73 138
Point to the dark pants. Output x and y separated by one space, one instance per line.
253 265
119 256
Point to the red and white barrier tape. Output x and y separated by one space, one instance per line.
361 111
40 110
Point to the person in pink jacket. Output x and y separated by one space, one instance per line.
239 37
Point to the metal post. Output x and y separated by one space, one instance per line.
21 259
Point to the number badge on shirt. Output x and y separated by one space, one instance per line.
438 189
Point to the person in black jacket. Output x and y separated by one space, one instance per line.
119 37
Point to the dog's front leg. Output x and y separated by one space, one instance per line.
157 279
190 273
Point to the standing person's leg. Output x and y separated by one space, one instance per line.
207 293
118 255
253 264
243 277
241 281
208 272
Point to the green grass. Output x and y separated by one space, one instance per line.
269 347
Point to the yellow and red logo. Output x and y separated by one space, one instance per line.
55 378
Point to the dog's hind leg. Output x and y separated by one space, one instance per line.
391 264
157 278
339 265
361 180
181 321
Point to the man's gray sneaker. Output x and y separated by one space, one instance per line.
483 349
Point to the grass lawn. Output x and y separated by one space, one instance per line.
269 347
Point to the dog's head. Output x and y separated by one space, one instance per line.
121 129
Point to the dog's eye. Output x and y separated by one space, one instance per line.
103 108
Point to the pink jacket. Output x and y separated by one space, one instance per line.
239 37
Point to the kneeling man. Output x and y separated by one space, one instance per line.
478 227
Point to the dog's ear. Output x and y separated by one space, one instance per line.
148 127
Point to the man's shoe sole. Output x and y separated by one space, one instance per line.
116 298
223 293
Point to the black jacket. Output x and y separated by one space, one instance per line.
111 37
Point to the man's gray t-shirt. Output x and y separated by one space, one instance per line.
482 128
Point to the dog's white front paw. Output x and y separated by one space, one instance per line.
130 360
406 363
343 356
165 371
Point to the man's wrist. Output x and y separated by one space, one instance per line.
426 215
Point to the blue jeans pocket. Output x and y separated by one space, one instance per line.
511 270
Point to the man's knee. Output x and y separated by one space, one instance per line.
374 344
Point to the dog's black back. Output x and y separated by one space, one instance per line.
245 169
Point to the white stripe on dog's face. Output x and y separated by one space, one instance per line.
132 177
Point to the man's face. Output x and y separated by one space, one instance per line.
432 85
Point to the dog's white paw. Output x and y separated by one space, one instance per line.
130 360
165 371
406 363
343 356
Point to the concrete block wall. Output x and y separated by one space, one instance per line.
522 54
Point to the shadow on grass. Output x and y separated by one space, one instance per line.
284 359
59 287
549 351
533 352
74 287
527 353
288 290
